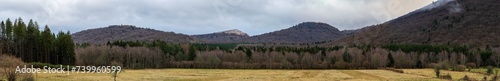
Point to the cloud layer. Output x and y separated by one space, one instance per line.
206 16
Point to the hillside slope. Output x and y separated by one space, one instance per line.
306 32
462 22
128 33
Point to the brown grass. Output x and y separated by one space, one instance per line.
242 75
454 74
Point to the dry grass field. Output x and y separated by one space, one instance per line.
454 74
258 75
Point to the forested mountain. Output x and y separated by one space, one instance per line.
127 33
228 36
306 32
461 22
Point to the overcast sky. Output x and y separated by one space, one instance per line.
206 16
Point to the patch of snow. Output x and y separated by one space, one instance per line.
234 31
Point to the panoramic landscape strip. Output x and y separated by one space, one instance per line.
445 40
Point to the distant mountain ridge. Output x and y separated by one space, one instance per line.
306 32
127 33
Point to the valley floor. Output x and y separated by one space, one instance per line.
259 75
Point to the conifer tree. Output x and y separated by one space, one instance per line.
192 53
47 44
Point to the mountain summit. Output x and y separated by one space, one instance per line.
228 36
234 32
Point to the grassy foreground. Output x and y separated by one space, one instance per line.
258 75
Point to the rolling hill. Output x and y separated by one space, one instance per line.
127 33
306 32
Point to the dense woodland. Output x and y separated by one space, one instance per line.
27 42
135 54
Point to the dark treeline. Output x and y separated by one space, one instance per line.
166 55
26 41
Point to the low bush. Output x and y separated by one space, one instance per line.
431 65
471 65
10 74
495 78
437 70
8 63
447 76
489 70
444 65
467 78
459 68
395 70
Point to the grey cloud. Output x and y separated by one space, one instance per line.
435 4
206 16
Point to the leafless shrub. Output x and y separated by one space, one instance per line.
467 78
129 57
395 70
444 65
8 63
447 76
431 65
459 68
471 65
